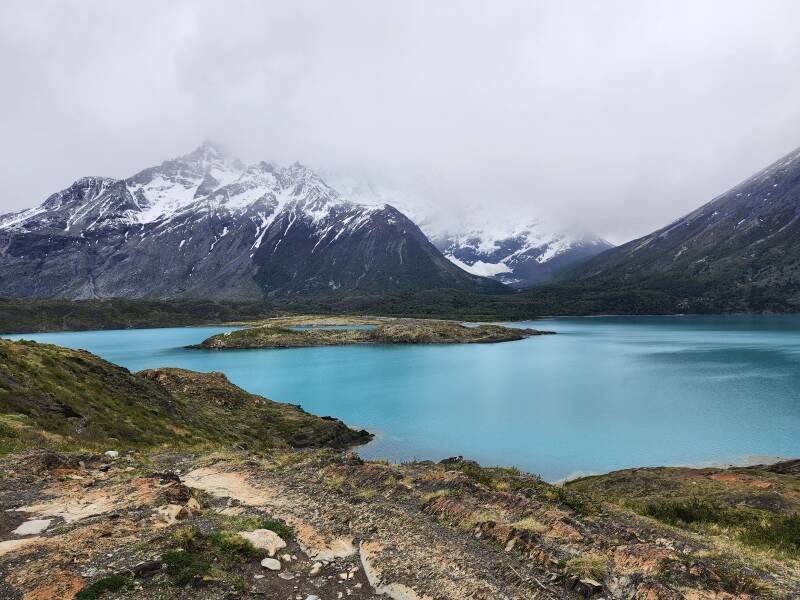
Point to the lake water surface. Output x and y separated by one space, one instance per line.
606 393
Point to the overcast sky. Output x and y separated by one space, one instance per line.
610 117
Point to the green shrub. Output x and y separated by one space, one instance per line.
229 547
580 503
477 474
687 512
184 566
779 532
112 583
251 523
753 527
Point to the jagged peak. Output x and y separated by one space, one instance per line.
210 154
93 180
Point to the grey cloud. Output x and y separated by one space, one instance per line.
611 117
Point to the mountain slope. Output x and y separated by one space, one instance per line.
207 226
52 395
739 252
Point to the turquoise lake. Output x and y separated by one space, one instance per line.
605 393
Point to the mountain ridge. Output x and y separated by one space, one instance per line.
205 225
738 252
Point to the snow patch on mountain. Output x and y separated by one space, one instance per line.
480 268
520 256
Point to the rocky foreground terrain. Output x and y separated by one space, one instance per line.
173 484
324 524
274 334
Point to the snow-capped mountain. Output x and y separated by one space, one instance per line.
522 257
205 225
519 256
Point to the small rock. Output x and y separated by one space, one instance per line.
286 576
271 564
265 539
286 557
315 569
146 568
111 454
312 597
357 586
169 513
343 576
258 577
588 587
194 506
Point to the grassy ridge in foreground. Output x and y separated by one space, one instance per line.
396 332
54 396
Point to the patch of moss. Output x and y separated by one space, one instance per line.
183 566
112 583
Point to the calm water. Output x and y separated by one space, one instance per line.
605 393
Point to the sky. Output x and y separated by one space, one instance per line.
611 118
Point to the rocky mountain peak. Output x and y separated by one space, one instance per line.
206 225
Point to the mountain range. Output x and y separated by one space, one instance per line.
207 226
521 257
738 252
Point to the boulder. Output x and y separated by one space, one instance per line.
265 539
32 527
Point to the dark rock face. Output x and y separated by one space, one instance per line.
741 251
207 226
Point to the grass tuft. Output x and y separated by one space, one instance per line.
594 566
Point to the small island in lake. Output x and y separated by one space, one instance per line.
338 331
